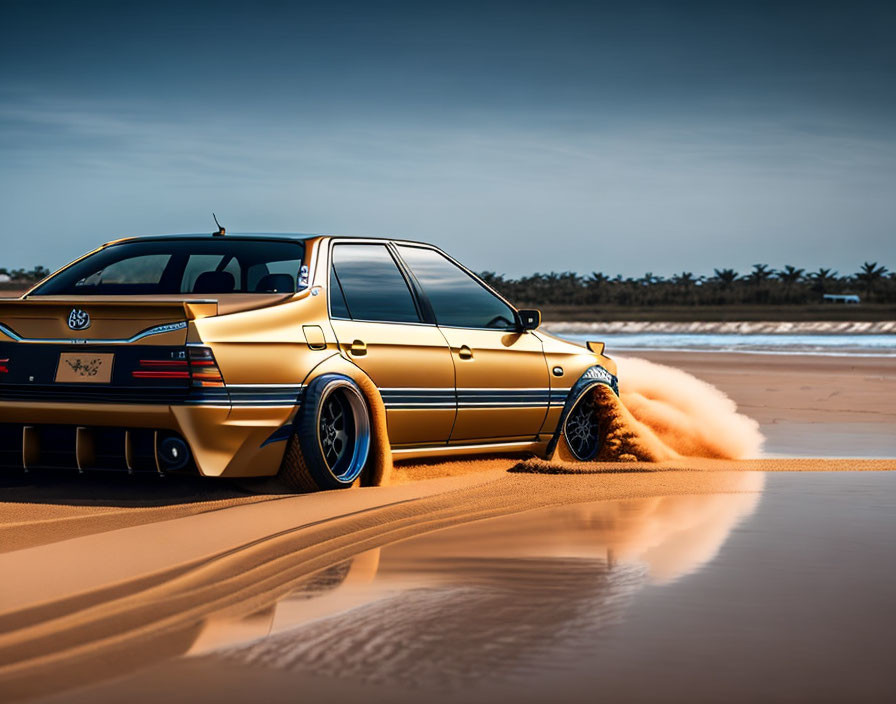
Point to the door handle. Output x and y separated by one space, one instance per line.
358 348
465 352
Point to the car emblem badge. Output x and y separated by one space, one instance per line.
78 319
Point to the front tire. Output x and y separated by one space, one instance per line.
582 428
330 445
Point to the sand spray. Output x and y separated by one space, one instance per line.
664 413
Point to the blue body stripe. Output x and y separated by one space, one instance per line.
444 399
280 434
247 395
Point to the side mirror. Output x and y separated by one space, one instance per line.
528 318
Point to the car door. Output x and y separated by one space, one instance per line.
379 326
502 375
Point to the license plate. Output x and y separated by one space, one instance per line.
85 368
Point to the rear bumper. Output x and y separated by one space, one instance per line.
224 440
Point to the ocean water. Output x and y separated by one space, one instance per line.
768 343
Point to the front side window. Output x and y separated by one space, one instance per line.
373 286
458 300
189 265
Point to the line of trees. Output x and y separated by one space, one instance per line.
24 275
761 286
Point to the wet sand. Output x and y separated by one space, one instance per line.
112 576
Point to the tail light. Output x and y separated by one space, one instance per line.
198 365
4 366
161 369
204 368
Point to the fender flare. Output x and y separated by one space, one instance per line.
282 433
380 462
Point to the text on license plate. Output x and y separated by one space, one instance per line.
83 367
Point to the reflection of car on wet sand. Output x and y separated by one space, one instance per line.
504 588
306 357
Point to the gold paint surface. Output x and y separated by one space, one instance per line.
264 340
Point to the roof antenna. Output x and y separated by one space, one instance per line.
221 230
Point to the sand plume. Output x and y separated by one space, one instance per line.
664 413
688 416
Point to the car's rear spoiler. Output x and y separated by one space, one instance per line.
189 308
100 319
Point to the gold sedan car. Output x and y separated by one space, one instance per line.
317 359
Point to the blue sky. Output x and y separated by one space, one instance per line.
661 137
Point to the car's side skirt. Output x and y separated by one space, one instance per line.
536 447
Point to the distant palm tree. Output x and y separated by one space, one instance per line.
685 279
596 286
870 274
760 273
726 277
790 274
822 279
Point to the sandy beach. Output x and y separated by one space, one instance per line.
447 352
117 580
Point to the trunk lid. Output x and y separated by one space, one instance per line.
100 320
89 349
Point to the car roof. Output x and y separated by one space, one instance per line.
282 236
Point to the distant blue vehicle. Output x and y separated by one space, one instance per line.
841 298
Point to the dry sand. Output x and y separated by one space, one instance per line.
108 575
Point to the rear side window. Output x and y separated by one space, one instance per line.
338 307
372 283
457 299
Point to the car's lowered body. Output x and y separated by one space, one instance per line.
199 353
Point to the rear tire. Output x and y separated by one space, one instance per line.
330 445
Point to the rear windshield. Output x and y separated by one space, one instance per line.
212 266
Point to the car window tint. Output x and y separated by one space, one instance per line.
374 287
200 263
153 266
338 308
147 269
260 277
458 300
